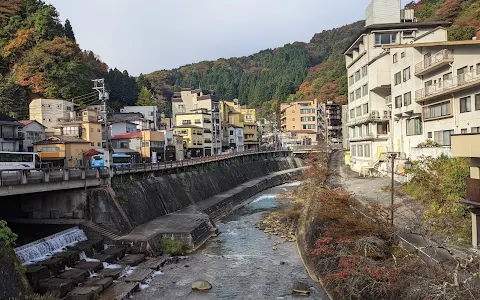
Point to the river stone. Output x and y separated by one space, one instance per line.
76 275
91 266
57 286
83 293
113 273
55 265
300 288
35 273
118 252
132 259
71 257
201 285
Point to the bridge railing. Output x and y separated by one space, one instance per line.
46 175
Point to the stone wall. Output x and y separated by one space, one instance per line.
144 199
13 282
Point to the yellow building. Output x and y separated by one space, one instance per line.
192 136
241 116
63 151
152 141
300 120
86 127
49 112
200 118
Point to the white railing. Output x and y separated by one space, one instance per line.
449 84
437 57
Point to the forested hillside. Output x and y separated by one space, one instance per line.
40 57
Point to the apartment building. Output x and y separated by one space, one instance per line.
301 119
236 138
143 146
11 135
49 112
192 137
85 126
435 92
330 123
200 118
197 100
235 115
369 67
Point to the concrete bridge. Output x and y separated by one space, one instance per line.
18 182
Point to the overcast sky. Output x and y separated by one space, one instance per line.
146 35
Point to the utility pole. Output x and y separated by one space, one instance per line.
392 209
99 86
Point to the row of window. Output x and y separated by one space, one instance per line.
305 111
407 100
360 150
395 57
437 110
406 76
359 74
359 93
58 106
359 111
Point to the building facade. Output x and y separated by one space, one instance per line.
369 67
149 112
300 120
11 134
50 112
330 123
63 151
236 138
192 136
32 132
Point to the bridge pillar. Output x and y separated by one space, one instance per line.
46 175
24 177
84 175
66 175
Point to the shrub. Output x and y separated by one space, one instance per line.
173 247
6 234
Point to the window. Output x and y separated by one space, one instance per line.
360 151
364 71
293 119
402 55
475 129
447 76
414 126
478 69
308 126
198 121
407 34
437 110
359 111
365 108
357 75
398 78
366 150
304 111
365 90
407 98
351 80
231 132
398 101
186 122
358 94
465 104
352 113
352 96
443 137
477 102
353 149
395 58
385 38
429 135
463 131
307 119
360 131
406 74
92 144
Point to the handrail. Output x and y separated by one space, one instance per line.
437 57
448 84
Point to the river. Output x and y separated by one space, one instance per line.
240 263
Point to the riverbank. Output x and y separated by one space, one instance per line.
240 263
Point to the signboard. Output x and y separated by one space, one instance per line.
154 157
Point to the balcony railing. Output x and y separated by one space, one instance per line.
442 55
451 85
388 100
12 135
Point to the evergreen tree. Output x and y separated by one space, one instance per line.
145 98
69 30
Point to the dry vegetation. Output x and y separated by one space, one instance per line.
353 249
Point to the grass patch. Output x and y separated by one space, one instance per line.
173 247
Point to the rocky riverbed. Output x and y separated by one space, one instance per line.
243 262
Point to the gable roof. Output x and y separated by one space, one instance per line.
28 122
127 135
62 139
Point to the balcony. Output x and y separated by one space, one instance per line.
436 61
448 86
6 135
388 100
369 137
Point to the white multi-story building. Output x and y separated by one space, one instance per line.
149 112
33 132
235 138
369 66
435 92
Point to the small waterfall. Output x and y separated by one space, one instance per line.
49 245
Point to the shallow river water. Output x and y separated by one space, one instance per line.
240 263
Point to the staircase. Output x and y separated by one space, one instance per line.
100 230
373 165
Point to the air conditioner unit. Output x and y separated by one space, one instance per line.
374 114
387 114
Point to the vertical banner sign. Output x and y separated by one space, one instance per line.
154 157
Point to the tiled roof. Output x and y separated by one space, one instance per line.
28 122
128 135
61 139
304 131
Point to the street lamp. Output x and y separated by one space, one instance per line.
408 165
393 155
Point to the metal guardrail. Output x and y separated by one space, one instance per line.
437 57
448 85
35 176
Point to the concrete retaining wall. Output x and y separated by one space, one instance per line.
144 199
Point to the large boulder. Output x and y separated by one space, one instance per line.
201 285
